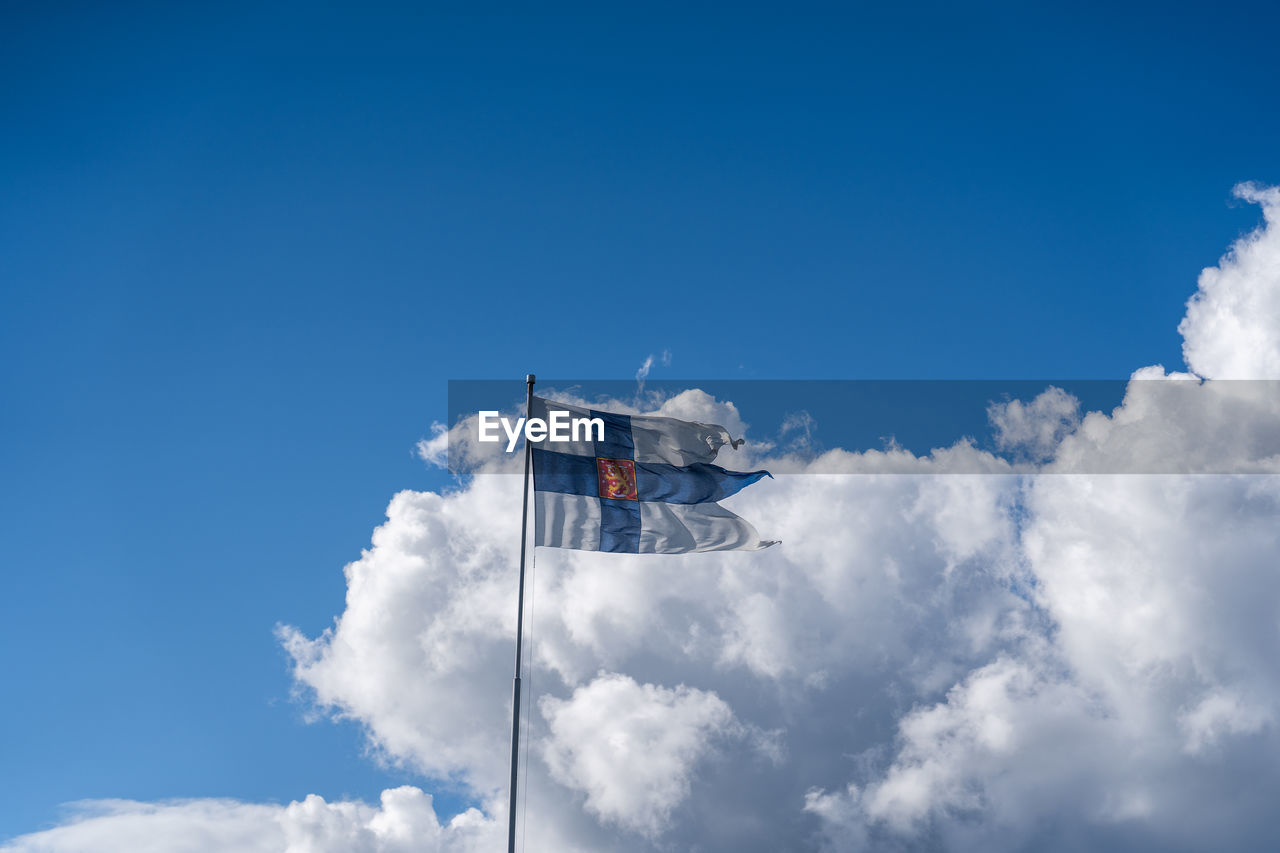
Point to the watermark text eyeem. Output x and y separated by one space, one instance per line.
559 427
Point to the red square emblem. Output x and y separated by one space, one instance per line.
617 479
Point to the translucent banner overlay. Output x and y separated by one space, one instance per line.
1167 425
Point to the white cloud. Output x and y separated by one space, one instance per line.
1172 423
958 658
435 450
1035 429
1141 716
630 747
877 570
429 608
1219 714
404 822
643 372
1230 328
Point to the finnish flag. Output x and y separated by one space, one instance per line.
647 488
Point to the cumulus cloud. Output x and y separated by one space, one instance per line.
1034 430
419 654
1173 423
428 609
631 748
1230 328
960 652
404 822
435 450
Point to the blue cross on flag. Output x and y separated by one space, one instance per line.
647 488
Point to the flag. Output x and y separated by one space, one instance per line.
647 486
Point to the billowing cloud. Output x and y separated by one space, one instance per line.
631 748
404 822
1230 328
933 660
1034 430
429 614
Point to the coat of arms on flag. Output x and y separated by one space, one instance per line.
647 486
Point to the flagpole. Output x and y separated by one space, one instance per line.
515 689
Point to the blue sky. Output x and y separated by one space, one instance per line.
242 250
